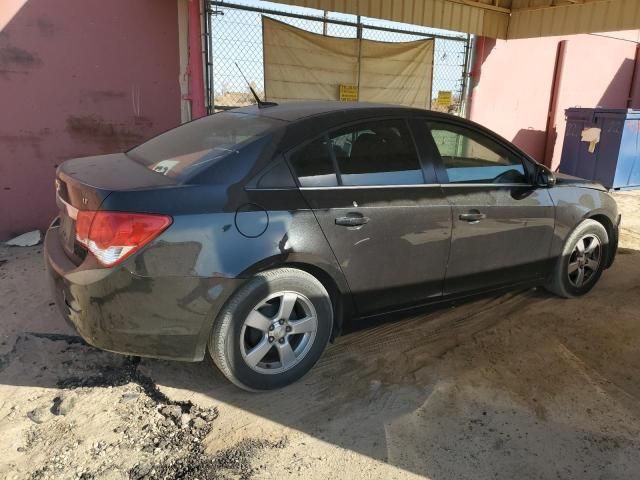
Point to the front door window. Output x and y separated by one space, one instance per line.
469 157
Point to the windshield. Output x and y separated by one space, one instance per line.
202 142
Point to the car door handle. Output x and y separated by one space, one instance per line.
473 216
352 221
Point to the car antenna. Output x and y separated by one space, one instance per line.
260 103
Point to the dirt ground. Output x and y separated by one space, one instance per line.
522 385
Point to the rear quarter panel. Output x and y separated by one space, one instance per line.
256 231
265 230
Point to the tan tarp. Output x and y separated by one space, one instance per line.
299 65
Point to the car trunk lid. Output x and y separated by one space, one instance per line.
84 183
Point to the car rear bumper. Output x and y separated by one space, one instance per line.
116 310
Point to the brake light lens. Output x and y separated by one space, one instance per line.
114 236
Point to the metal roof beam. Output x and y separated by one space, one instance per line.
589 16
494 7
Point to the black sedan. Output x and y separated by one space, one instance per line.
255 234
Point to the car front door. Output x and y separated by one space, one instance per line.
502 224
383 214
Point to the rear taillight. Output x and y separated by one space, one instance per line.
113 236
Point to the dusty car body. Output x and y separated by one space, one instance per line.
289 187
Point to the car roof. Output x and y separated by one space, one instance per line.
294 111
301 116
306 120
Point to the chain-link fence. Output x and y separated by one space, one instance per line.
234 32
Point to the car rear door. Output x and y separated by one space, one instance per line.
502 224
381 210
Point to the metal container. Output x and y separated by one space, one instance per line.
603 145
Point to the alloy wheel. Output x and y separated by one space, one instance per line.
278 332
584 260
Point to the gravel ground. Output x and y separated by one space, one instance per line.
522 385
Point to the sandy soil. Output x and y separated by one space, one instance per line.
523 385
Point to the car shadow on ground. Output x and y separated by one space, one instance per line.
521 385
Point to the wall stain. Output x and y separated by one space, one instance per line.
6 73
142 121
45 26
14 142
12 55
104 95
110 136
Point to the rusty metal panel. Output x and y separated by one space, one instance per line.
479 17
539 18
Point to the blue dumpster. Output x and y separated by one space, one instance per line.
613 159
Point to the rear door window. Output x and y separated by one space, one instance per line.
313 165
379 152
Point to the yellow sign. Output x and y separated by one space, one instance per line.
348 93
445 98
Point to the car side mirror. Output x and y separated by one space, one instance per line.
545 177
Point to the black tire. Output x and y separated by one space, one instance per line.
560 283
225 341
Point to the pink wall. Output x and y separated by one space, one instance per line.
513 93
78 78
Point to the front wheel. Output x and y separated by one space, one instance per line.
582 260
273 330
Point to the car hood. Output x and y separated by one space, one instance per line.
564 180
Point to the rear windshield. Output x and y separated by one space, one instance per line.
200 143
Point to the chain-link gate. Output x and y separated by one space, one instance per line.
234 36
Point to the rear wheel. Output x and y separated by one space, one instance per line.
582 260
273 330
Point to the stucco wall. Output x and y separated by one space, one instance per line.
78 78
513 92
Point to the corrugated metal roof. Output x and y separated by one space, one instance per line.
539 18
496 18
479 17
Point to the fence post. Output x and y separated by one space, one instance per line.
325 25
195 68
359 37
465 79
